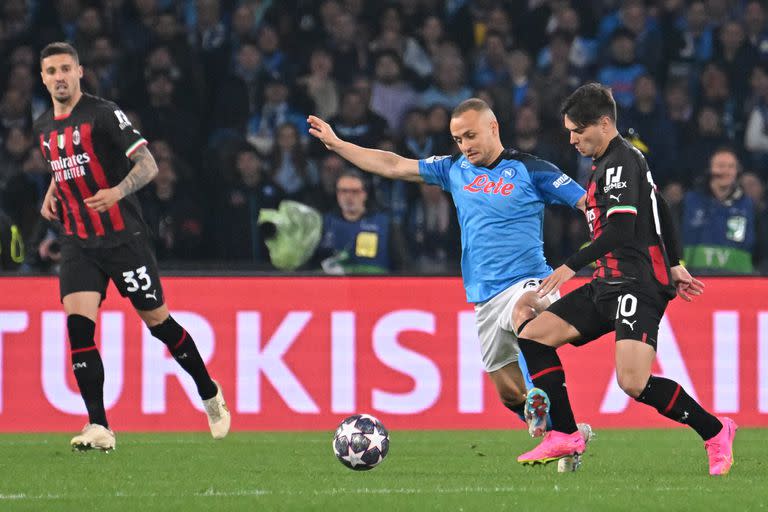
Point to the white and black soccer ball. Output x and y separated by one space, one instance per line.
361 442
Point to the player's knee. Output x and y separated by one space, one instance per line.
81 331
521 314
632 384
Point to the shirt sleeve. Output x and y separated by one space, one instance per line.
435 170
553 185
119 130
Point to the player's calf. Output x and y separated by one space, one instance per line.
183 349
87 367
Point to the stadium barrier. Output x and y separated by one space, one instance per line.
302 353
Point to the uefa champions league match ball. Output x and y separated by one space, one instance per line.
361 442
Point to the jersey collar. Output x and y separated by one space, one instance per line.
618 139
504 155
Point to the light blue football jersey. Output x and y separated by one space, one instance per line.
501 214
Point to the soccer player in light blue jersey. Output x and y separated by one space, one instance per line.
500 196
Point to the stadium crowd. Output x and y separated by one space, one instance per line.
222 89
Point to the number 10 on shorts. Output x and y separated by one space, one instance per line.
627 306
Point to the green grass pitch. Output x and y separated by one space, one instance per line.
637 470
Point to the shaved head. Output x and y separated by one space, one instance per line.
474 104
475 130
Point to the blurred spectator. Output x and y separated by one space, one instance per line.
273 58
349 54
101 72
736 55
238 237
719 220
324 198
649 123
391 97
15 23
623 69
527 137
674 194
716 93
677 103
448 89
491 62
438 119
291 170
356 123
708 134
434 232
581 52
754 188
320 85
417 142
689 40
356 240
756 29
240 94
756 135
162 119
173 215
275 110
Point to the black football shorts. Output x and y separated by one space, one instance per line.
598 308
131 266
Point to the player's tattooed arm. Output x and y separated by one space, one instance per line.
143 171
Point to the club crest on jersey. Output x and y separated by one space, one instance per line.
613 179
60 141
76 137
483 184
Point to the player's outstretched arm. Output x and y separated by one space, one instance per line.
383 163
143 171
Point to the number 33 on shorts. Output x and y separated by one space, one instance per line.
133 278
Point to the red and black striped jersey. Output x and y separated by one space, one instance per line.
621 183
88 150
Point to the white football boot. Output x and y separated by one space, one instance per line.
94 437
573 462
219 418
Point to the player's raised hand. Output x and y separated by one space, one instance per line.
49 210
323 131
555 280
685 284
103 200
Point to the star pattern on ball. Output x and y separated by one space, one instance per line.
376 439
347 429
354 459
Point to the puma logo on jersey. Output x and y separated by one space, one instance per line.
152 295
630 324
47 144
617 198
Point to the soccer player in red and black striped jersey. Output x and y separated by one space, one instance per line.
638 272
98 160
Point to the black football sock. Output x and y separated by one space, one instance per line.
87 367
547 374
183 349
671 400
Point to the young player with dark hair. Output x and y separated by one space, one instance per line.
98 161
638 272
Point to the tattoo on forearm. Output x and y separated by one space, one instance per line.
143 171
